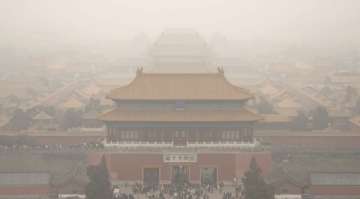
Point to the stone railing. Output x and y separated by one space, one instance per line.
194 145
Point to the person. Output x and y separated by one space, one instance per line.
221 187
237 191
116 192
227 195
161 195
124 196
205 196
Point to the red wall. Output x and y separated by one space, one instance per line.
26 190
129 166
334 190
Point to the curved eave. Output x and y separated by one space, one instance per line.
118 115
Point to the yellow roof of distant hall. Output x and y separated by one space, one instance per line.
72 103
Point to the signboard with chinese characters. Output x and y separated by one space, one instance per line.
179 157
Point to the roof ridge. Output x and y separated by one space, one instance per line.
42 115
179 74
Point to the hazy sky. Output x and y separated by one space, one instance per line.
100 20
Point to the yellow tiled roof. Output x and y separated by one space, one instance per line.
155 86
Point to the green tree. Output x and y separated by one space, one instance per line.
357 107
350 93
14 99
300 121
93 105
71 119
264 106
99 186
26 140
254 184
20 121
320 118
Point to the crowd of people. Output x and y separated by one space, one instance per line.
175 191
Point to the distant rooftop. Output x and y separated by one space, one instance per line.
180 50
42 116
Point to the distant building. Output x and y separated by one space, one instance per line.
343 78
316 177
287 107
43 121
73 104
90 121
275 122
339 119
180 50
195 125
